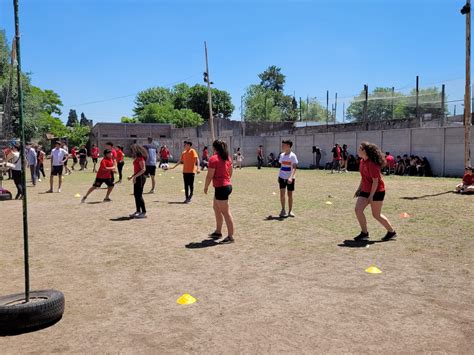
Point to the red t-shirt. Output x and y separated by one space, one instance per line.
136 164
368 171
468 179
119 155
73 152
103 173
390 161
165 154
95 152
114 153
205 154
222 174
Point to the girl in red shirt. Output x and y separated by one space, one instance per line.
120 162
138 178
371 190
103 176
220 172
467 185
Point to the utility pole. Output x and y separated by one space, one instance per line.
343 112
335 109
393 104
366 102
466 10
417 98
327 110
443 100
209 95
301 110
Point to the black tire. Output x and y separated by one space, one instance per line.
45 308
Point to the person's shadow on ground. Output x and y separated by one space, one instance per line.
410 198
120 219
350 243
206 243
274 218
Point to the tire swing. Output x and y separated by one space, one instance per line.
31 310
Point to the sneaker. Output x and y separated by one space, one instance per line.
389 236
291 214
188 200
362 237
107 200
134 214
152 191
59 190
49 191
39 180
141 215
282 213
228 240
83 200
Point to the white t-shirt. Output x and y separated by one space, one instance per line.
16 160
57 156
287 161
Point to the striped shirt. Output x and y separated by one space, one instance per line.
286 162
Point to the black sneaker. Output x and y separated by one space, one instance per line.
389 236
362 237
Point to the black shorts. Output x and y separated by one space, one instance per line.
164 161
378 196
98 182
223 193
74 159
94 160
57 170
285 185
150 170
65 163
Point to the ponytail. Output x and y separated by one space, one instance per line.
221 148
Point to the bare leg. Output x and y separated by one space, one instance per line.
60 181
469 189
282 198
51 180
92 188
290 201
376 207
225 211
109 190
219 217
152 182
360 206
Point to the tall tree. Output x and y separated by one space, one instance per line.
156 113
155 95
72 119
272 79
84 121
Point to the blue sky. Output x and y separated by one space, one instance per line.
91 51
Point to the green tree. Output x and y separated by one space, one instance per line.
272 79
78 135
156 95
52 102
180 96
72 118
156 113
84 120
125 119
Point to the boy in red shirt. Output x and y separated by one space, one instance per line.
371 191
104 176
467 185
95 156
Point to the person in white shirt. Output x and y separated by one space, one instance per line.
58 157
14 158
286 178
31 159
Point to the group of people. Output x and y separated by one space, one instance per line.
411 165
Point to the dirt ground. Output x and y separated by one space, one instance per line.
284 286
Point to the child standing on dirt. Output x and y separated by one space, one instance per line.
120 162
103 176
95 156
286 178
138 178
371 191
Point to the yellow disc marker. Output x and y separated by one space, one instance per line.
274 193
182 190
77 195
328 203
186 299
199 182
172 177
373 270
404 215
160 174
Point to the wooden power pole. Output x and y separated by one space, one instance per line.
466 10
209 95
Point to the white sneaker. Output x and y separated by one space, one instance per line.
59 190
39 180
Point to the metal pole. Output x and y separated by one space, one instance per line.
209 96
443 100
22 154
417 98
366 102
335 110
343 112
301 110
467 94
393 104
327 109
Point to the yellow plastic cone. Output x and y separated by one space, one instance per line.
373 270
404 215
328 203
77 195
186 299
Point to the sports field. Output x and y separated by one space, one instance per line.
284 286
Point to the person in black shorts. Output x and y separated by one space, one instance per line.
371 191
104 176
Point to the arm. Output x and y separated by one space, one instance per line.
231 171
293 173
198 166
210 175
174 166
141 172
